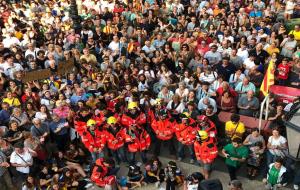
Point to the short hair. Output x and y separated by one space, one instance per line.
237 140
235 117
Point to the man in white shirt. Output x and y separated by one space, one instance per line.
115 45
21 159
249 64
10 40
10 67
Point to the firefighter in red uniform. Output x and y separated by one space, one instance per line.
186 134
94 139
206 151
207 125
138 140
115 138
133 117
164 130
101 174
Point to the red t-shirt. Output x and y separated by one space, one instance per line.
283 71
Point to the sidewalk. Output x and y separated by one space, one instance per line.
190 168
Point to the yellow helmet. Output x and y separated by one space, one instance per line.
132 105
203 135
112 120
158 101
185 115
90 122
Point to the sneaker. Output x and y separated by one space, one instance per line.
264 180
283 185
179 159
192 161
157 184
296 187
88 185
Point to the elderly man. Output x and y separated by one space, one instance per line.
42 131
206 101
80 95
243 87
249 104
59 128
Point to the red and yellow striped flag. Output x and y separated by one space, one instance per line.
269 79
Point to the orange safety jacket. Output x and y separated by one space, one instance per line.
206 151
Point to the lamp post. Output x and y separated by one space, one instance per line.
74 15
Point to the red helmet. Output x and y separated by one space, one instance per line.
202 118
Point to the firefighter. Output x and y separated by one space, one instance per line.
115 138
133 116
138 140
207 125
186 134
94 139
163 129
101 174
206 151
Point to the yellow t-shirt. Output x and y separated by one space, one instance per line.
296 34
12 101
229 126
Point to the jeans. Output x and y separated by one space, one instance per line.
119 155
232 171
5 181
96 155
131 157
158 143
180 151
270 159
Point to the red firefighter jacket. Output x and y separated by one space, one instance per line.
186 134
137 141
139 120
80 127
163 129
206 151
211 129
99 174
115 141
90 141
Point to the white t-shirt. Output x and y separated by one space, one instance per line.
14 158
276 142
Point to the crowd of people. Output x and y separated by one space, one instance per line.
149 75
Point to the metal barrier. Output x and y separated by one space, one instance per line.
263 103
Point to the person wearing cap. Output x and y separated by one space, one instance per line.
115 139
186 134
235 185
163 129
101 174
235 153
21 159
133 116
93 139
205 150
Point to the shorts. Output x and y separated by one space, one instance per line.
206 166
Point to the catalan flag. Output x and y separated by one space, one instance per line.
269 79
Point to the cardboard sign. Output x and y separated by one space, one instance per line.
62 69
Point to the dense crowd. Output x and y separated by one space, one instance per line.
150 78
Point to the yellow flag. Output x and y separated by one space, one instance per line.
269 79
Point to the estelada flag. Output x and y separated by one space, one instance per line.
269 79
